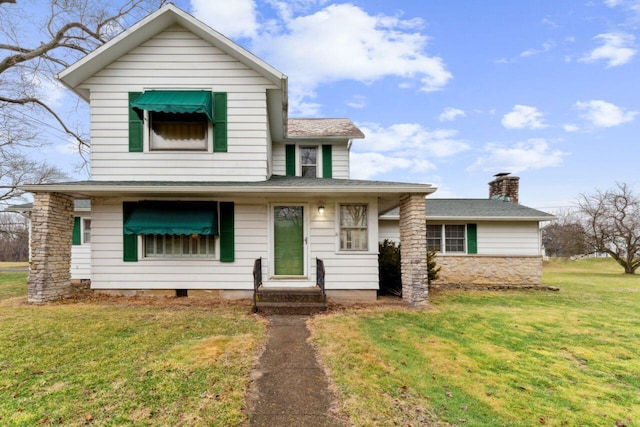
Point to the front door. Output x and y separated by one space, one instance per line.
288 239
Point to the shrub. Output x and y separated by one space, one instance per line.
389 268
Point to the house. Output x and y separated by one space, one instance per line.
197 172
481 242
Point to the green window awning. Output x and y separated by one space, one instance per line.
176 101
173 218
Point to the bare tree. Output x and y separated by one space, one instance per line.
16 169
565 236
611 220
32 53
14 237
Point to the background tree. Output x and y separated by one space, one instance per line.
611 220
14 237
565 236
37 41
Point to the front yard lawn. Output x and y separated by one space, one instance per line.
517 358
118 361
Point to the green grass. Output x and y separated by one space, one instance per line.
118 361
13 285
517 358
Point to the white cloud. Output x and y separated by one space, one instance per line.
450 114
369 165
617 49
235 18
604 114
523 116
412 140
546 47
570 127
521 156
357 101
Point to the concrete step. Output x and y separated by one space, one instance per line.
289 300
289 295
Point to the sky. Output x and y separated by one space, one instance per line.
450 93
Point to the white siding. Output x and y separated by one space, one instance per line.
252 240
81 261
389 229
494 238
339 158
508 238
177 59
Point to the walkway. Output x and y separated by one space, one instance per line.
291 389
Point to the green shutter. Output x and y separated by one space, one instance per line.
136 126
327 162
227 238
220 126
472 239
129 241
76 238
290 160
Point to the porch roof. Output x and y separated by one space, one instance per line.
475 210
276 186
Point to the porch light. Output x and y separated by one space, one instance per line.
320 209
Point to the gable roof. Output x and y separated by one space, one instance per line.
476 209
149 27
323 128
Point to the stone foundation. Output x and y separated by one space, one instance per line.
413 250
484 271
52 226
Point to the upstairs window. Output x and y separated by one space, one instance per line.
181 131
191 120
309 161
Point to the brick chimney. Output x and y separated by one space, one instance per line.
504 187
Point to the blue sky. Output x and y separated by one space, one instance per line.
451 92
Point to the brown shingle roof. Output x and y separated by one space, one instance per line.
309 128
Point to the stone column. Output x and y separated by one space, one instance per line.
413 248
51 228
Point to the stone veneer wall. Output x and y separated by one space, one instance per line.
505 186
479 271
413 251
51 229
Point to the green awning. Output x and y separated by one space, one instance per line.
173 218
176 101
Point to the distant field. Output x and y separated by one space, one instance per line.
517 358
14 264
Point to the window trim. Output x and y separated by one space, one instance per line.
83 230
142 239
367 228
146 139
206 144
443 239
318 162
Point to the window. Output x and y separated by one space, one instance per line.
309 161
353 228
171 245
171 131
454 237
86 231
434 238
